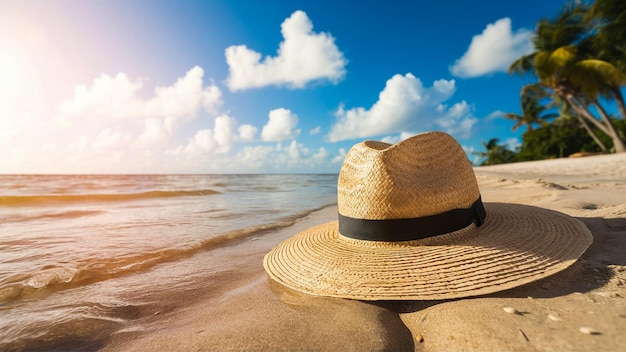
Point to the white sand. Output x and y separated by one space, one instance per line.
251 313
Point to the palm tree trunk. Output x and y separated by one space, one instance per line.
619 98
618 143
590 132
584 112
606 127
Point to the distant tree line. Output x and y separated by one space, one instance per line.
579 61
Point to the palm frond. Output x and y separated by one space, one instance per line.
523 65
605 71
562 56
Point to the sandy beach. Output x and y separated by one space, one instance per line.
582 308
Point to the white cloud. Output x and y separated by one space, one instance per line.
114 103
211 141
321 154
294 150
109 141
340 156
396 139
404 105
113 124
253 158
118 98
156 131
225 127
247 132
108 97
185 98
512 143
264 158
494 50
303 56
495 115
222 137
285 157
457 120
469 151
202 142
298 155
280 126
315 130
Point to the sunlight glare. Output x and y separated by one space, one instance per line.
10 72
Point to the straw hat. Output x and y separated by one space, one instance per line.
412 226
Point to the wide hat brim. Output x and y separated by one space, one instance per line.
517 244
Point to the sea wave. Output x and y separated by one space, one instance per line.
57 278
60 215
70 327
29 200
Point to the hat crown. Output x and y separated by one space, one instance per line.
425 175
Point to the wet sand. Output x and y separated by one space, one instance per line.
244 310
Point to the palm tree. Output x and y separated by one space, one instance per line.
532 109
581 85
568 72
567 114
538 93
566 29
495 153
607 18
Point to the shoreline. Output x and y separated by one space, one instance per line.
580 308
604 167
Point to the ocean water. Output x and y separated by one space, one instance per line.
79 254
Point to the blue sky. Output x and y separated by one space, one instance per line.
250 86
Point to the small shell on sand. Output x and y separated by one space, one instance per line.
588 330
510 310
554 317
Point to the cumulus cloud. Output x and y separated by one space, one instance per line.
294 157
218 141
398 138
294 150
211 141
303 56
321 154
404 105
109 141
315 130
493 50
247 132
253 158
155 131
108 97
456 120
118 97
340 156
280 126
185 98
117 101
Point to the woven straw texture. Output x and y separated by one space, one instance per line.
517 244
424 175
